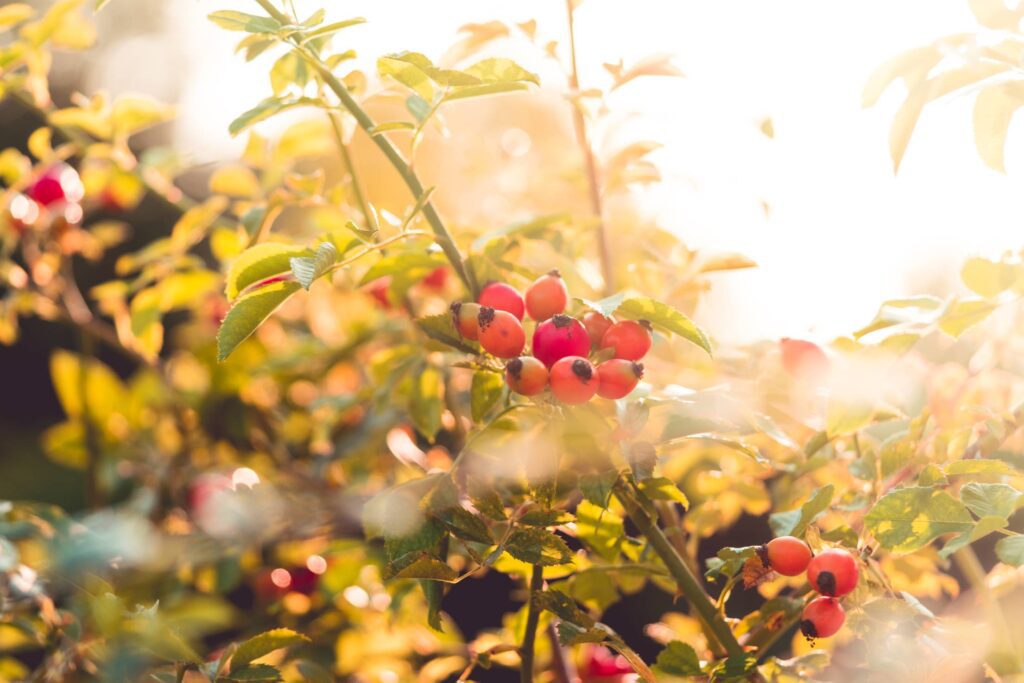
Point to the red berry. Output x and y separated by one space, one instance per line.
502 297
526 375
464 317
437 278
617 377
596 325
559 337
822 618
803 359
378 289
303 580
787 555
833 572
547 296
58 183
501 333
630 339
573 380
603 664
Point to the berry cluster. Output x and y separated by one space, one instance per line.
561 346
832 573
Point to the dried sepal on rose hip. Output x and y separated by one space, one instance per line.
630 339
617 377
500 333
786 555
833 572
464 318
559 337
822 618
573 380
502 297
547 296
526 375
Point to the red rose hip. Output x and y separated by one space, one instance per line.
787 555
630 339
573 380
378 289
547 296
617 377
526 375
501 334
559 337
436 278
822 618
803 359
464 318
502 297
833 572
596 325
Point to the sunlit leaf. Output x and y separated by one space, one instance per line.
986 277
795 522
240 21
264 644
663 316
485 391
248 312
425 403
308 269
1011 550
910 518
663 488
536 546
258 263
678 659
993 110
962 315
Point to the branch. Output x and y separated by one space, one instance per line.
412 181
580 124
684 577
532 619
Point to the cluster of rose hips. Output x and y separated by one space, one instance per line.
53 195
561 344
833 573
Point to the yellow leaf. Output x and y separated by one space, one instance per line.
15 13
75 32
235 180
994 14
988 278
912 66
40 143
132 114
993 111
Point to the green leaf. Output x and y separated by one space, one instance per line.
965 314
487 388
999 500
1011 550
601 529
248 312
405 70
663 488
910 518
896 452
331 29
984 527
264 644
265 109
255 672
258 263
536 546
427 567
392 125
500 70
597 488
564 607
606 306
979 466
308 269
240 21
664 316
289 69
425 403
678 659
484 90
440 328
794 522
918 309
845 418
409 264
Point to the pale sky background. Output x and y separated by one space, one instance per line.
843 233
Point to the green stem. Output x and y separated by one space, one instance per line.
680 571
526 650
590 164
412 181
350 167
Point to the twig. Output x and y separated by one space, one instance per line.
526 650
561 665
580 124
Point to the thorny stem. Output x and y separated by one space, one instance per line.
580 125
681 572
526 650
412 181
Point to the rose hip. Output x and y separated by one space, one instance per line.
502 297
559 337
526 375
617 377
573 380
631 339
547 296
501 334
